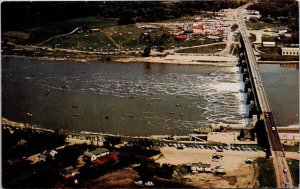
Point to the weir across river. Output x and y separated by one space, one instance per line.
259 105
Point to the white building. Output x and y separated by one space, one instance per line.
289 51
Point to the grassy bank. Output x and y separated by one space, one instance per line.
294 168
266 173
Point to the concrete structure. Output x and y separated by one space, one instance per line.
252 13
289 51
94 155
268 44
200 167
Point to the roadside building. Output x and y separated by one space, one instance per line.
268 44
289 51
289 139
93 155
200 167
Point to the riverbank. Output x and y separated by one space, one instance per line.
178 59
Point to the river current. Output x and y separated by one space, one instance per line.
118 98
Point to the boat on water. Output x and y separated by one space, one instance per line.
75 114
29 114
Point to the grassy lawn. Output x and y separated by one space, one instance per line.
294 168
204 50
259 25
269 38
291 148
266 173
269 50
82 41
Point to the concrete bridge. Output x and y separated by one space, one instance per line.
259 105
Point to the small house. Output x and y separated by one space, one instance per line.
93 155
69 172
200 167
47 154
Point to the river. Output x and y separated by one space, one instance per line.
118 98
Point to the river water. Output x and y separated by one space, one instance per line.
128 99
282 88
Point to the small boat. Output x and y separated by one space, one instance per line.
106 117
75 114
181 114
171 112
178 105
130 97
29 114
130 115
27 78
75 106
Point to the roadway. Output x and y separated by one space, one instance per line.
283 175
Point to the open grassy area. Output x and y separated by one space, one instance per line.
291 148
272 57
204 50
294 168
259 25
266 173
269 38
82 41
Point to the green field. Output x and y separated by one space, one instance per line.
82 41
259 25
204 50
294 168
266 173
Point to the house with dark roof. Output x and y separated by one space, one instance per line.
94 155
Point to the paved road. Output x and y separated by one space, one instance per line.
283 176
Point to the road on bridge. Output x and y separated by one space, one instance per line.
283 175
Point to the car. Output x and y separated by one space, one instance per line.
284 171
273 129
248 161
254 149
219 150
179 148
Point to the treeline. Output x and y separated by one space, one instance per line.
22 15
285 12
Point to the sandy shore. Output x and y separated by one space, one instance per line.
184 59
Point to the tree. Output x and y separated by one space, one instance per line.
147 51
242 135
234 27
111 141
253 19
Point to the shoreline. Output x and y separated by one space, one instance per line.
207 60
